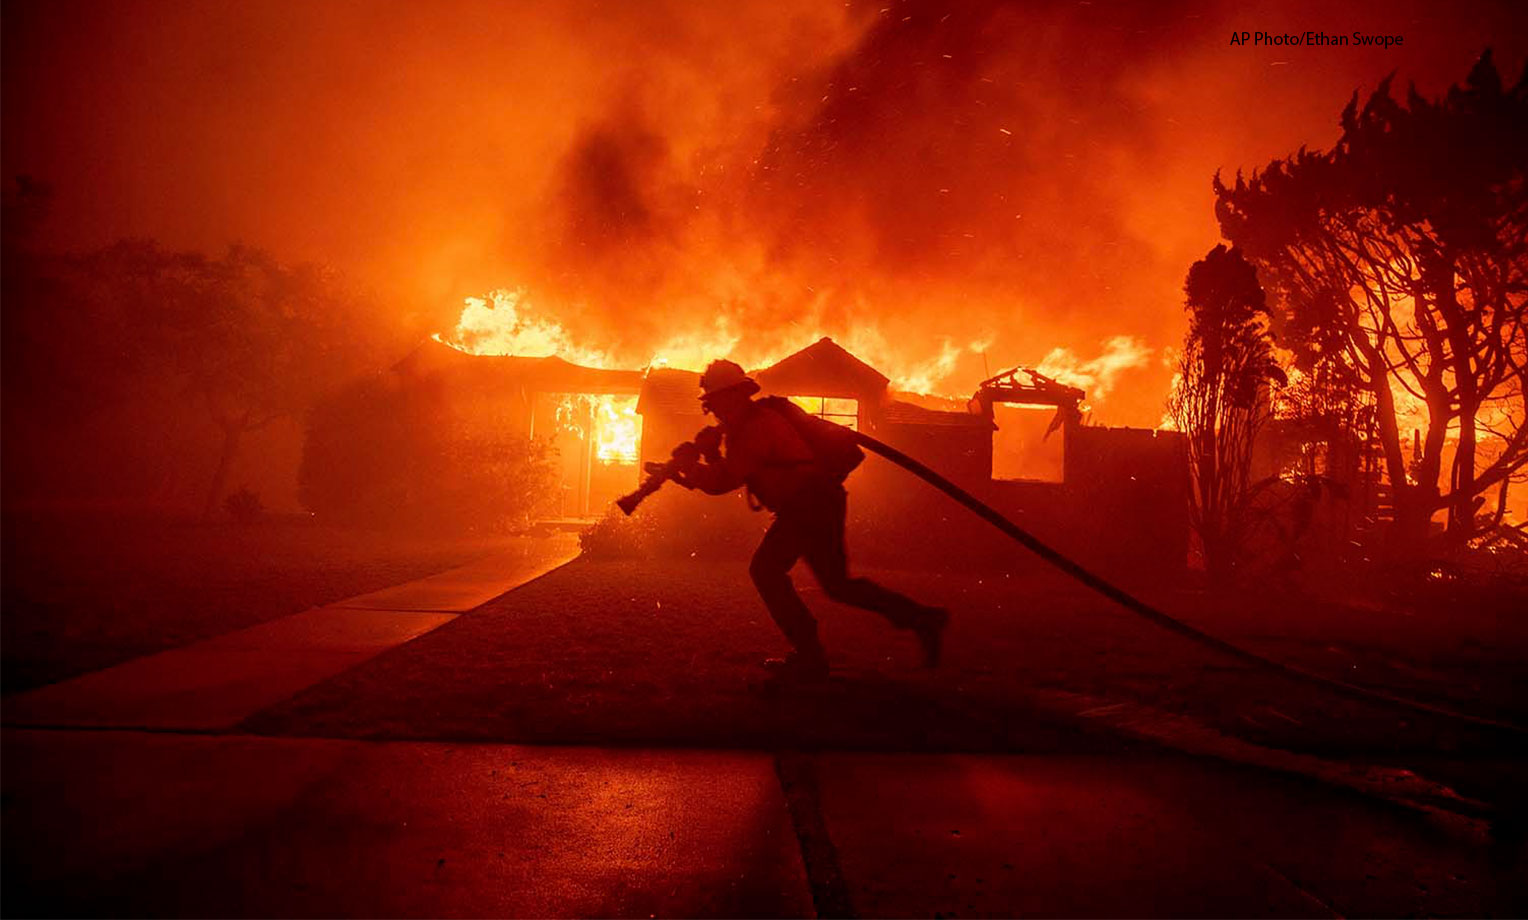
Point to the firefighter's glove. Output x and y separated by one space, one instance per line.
709 441
686 457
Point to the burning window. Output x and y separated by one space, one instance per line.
617 429
613 421
1020 448
596 440
843 412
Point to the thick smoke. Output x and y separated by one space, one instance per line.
947 188
1021 180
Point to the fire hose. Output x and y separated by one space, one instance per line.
1153 615
661 472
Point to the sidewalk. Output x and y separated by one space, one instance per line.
215 684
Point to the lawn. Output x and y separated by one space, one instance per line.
649 652
82 592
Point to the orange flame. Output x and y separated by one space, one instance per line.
1097 376
617 429
506 323
612 423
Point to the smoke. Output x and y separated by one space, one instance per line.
667 179
942 179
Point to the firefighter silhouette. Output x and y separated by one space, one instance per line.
794 465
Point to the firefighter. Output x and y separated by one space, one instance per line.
761 446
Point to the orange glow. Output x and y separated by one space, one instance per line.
504 323
507 323
611 420
733 180
617 429
1096 376
839 411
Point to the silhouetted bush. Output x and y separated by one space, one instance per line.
244 506
617 536
381 453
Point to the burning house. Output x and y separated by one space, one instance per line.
454 437
829 382
1115 496
586 414
1107 494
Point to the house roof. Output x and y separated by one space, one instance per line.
550 374
897 412
823 368
670 391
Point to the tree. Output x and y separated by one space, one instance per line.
244 337
82 372
256 341
111 353
1219 399
1399 261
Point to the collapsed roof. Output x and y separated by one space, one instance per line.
1029 387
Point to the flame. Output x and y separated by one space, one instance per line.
916 376
611 419
617 429
505 323
570 415
692 351
1098 375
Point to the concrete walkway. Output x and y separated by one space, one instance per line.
151 824
477 583
217 683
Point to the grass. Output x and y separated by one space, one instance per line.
644 652
82 593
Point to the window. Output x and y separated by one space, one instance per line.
844 412
1020 449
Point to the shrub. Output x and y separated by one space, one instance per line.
244 506
616 536
385 454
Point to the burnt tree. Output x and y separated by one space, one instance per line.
1399 260
1219 399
